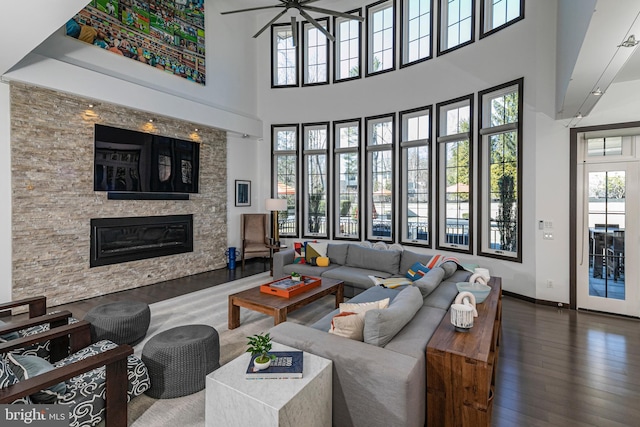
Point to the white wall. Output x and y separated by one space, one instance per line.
5 194
526 49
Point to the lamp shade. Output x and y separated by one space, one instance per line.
276 205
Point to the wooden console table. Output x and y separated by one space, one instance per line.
461 366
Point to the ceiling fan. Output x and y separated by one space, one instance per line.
303 7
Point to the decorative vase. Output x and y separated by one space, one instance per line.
260 366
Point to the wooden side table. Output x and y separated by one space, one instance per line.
232 400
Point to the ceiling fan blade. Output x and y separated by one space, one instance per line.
270 22
252 8
301 2
317 25
294 31
334 13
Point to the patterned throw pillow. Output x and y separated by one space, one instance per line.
298 253
26 367
314 250
417 271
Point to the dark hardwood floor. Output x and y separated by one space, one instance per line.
557 367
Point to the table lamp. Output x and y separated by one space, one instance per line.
275 206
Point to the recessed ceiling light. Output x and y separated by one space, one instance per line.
597 92
90 105
151 120
629 42
196 130
579 116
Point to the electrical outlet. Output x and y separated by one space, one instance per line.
549 283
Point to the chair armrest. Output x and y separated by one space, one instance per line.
79 335
56 319
37 305
63 373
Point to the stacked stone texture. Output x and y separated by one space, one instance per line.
53 199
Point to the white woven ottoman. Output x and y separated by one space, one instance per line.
123 322
179 360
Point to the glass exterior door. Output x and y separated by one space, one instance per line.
607 276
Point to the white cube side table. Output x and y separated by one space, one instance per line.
232 400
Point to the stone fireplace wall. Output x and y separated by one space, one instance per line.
53 198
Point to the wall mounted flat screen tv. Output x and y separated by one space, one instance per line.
137 162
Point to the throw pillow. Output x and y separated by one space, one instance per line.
26 367
430 281
298 253
314 250
9 335
380 326
348 324
322 261
363 306
417 271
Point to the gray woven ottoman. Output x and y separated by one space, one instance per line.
123 322
179 359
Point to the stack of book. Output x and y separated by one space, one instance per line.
287 364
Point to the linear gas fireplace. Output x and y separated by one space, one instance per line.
116 240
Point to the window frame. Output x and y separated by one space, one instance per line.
305 51
403 208
337 125
442 14
484 133
369 121
440 178
371 9
336 47
485 16
404 35
305 152
274 173
274 61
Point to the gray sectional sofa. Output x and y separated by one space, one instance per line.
351 263
377 385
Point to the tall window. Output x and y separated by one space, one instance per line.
315 155
415 133
497 14
346 136
316 53
347 47
380 37
456 24
285 175
416 30
284 56
380 171
500 179
454 176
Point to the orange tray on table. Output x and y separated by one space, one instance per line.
306 283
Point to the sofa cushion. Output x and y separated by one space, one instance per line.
381 325
430 281
25 367
306 269
353 276
412 340
363 307
443 296
9 335
337 253
348 324
374 259
7 378
409 258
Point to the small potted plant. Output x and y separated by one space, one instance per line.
296 277
260 345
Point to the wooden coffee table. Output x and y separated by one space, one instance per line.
278 307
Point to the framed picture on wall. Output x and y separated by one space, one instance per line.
243 193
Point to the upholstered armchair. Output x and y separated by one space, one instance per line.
95 381
253 231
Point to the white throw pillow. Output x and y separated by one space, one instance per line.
363 307
348 325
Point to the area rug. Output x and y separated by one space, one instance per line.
209 307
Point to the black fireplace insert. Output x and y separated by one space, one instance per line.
116 240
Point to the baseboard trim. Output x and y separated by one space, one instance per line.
556 304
